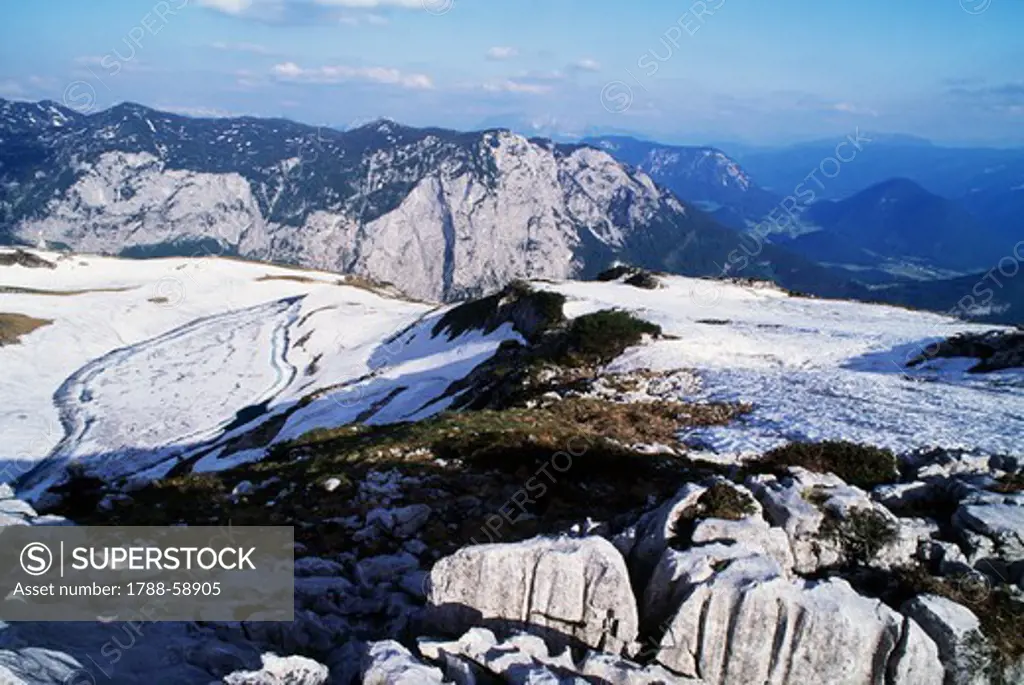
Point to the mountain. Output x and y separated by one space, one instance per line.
951 172
898 224
1001 210
442 214
705 176
987 296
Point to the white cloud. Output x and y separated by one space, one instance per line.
290 71
371 19
227 6
275 9
511 86
372 4
252 48
197 112
850 108
587 64
500 53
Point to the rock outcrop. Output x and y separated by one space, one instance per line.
572 591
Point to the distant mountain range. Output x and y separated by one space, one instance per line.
445 215
898 223
441 214
705 176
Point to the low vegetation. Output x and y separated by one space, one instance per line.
14 326
581 450
720 501
631 275
604 335
25 259
289 277
860 465
15 290
723 501
861 533
531 312
1009 483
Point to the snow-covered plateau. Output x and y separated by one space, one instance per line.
672 554
148 364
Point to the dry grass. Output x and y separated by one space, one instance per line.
1009 483
14 326
16 290
290 277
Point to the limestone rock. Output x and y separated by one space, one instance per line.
957 632
644 543
291 670
567 590
1002 523
389 663
747 624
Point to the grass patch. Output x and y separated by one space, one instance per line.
14 326
602 336
509 437
289 277
557 461
15 290
860 465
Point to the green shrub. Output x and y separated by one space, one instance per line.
643 279
604 335
862 534
860 465
531 312
723 501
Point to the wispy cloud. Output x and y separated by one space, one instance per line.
502 53
586 64
284 10
368 19
290 71
197 112
227 6
850 108
514 86
250 48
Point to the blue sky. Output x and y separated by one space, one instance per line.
706 71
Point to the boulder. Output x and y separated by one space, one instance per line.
389 663
1001 523
291 670
571 591
957 632
748 624
830 523
524 658
643 543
